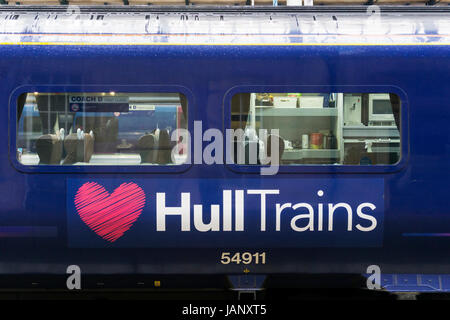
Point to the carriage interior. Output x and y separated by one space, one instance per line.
112 128
99 128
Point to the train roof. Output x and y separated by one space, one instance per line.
224 26
224 2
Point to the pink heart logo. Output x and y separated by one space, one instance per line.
109 215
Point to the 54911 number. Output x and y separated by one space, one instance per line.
243 257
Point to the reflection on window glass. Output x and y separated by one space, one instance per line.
319 128
99 128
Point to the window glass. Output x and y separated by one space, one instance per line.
317 128
105 128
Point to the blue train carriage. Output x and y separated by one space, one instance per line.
291 142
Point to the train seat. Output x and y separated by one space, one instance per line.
280 146
49 148
106 136
88 146
146 148
164 148
79 147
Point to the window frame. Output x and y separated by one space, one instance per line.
13 127
325 168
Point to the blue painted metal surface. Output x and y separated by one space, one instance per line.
416 191
415 282
247 282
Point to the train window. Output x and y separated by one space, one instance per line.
99 128
316 128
